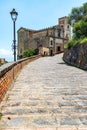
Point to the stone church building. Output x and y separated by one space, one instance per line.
48 41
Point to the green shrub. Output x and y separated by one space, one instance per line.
28 53
70 44
75 42
1 64
83 40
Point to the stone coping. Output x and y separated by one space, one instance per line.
6 67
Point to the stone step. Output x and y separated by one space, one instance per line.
43 121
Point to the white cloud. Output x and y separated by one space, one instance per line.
5 52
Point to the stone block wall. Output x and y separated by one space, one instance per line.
9 71
77 56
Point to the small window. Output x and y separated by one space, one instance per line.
51 33
67 26
58 34
51 42
67 35
62 26
58 48
21 50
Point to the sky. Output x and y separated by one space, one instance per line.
32 14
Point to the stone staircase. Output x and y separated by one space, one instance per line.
54 102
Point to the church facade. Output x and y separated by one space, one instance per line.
49 41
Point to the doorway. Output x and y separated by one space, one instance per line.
51 52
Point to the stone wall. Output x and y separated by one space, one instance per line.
9 71
77 56
43 51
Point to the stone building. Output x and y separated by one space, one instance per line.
2 60
49 41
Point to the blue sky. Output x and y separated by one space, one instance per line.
33 14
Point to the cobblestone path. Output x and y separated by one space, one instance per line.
47 95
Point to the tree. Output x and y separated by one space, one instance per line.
80 30
78 13
78 17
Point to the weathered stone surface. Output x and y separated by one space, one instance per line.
84 120
46 95
70 121
9 71
77 56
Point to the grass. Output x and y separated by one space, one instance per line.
1 116
75 42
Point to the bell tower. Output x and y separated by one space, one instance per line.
63 23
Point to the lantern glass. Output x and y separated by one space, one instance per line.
14 15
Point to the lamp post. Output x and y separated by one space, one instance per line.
14 15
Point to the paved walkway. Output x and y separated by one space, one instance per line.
47 95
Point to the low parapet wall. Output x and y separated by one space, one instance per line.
9 71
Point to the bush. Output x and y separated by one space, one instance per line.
70 44
83 40
28 53
75 42
1 64
36 51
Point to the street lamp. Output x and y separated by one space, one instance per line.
14 15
